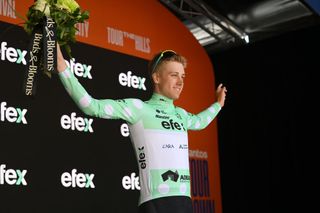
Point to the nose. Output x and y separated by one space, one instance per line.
180 80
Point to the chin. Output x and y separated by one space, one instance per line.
175 97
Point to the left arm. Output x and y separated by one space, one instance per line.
204 118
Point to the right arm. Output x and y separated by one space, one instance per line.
126 109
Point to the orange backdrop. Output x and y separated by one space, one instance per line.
142 28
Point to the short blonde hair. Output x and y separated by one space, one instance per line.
164 56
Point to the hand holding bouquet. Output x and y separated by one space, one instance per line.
48 22
65 13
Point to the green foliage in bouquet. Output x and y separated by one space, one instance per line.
66 14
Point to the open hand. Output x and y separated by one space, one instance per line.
221 93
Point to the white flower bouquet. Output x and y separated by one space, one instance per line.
65 13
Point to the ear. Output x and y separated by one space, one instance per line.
155 77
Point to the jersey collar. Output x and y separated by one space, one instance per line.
161 100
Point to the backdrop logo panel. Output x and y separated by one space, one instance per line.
13 55
131 182
12 114
7 8
119 38
83 29
110 60
12 176
130 80
79 69
77 179
74 122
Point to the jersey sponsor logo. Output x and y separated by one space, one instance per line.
12 115
163 117
76 123
167 146
8 8
142 158
179 116
131 182
79 69
184 178
174 176
12 176
163 114
75 179
129 80
12 54
172 125
183 146
161 111
170 175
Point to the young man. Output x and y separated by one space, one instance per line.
154 124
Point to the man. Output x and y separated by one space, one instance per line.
158 130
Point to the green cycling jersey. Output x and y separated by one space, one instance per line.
158 131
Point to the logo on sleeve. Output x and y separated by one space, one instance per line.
142 158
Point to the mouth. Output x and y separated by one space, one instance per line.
177 89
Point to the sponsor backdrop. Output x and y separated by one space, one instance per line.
54 158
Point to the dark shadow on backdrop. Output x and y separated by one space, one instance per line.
268 126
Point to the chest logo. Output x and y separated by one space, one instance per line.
172 125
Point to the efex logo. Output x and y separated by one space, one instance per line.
172 125
12 177
129 80
80 70
142 158
11 114
76 123
18 56
131 182
75 179
13 55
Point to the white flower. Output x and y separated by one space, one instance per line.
43 6
69 5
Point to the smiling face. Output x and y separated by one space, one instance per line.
169 79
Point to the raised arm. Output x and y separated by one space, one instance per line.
126 109
203 119
61 64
